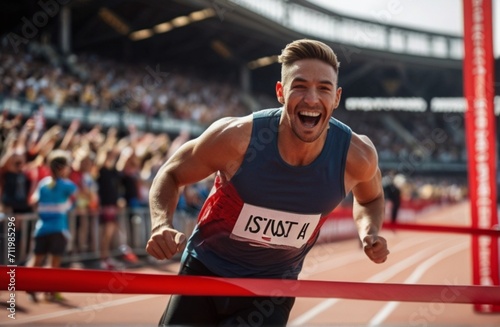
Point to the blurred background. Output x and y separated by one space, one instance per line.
121 84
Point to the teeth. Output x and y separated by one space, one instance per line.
309 113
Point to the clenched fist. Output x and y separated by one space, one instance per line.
375 248
165 243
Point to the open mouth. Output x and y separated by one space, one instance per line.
309 118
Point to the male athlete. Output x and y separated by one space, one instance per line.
280 172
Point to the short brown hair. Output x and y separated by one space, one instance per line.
308 49
58 159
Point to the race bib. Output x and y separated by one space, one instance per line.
273 228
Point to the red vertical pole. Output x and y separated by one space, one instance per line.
480 136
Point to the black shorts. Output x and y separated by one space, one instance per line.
223 311
51 243
109 214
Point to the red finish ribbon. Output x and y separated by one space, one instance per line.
443 229
95 281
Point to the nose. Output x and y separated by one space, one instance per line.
311 97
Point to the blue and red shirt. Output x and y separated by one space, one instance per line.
54 202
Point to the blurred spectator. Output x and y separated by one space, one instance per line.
38 168
129 167
16 187
392 193
87 198
53 196
108 181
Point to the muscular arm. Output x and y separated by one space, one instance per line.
364 180
219 148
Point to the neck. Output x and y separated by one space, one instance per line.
296 152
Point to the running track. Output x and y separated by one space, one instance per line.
416 258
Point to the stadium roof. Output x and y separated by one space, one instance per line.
221 42
216 36
228 33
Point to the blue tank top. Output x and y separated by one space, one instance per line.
264 221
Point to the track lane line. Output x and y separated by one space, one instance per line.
377 278
352 256
80 310
414 278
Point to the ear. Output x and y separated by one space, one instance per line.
338 97
279 92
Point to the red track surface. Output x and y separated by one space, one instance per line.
416 258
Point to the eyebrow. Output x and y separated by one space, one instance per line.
300 79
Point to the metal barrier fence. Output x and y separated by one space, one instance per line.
134 230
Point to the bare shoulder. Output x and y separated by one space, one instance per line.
223 145
231 133
362 158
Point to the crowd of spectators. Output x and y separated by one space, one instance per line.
112 172
38 75
434 137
